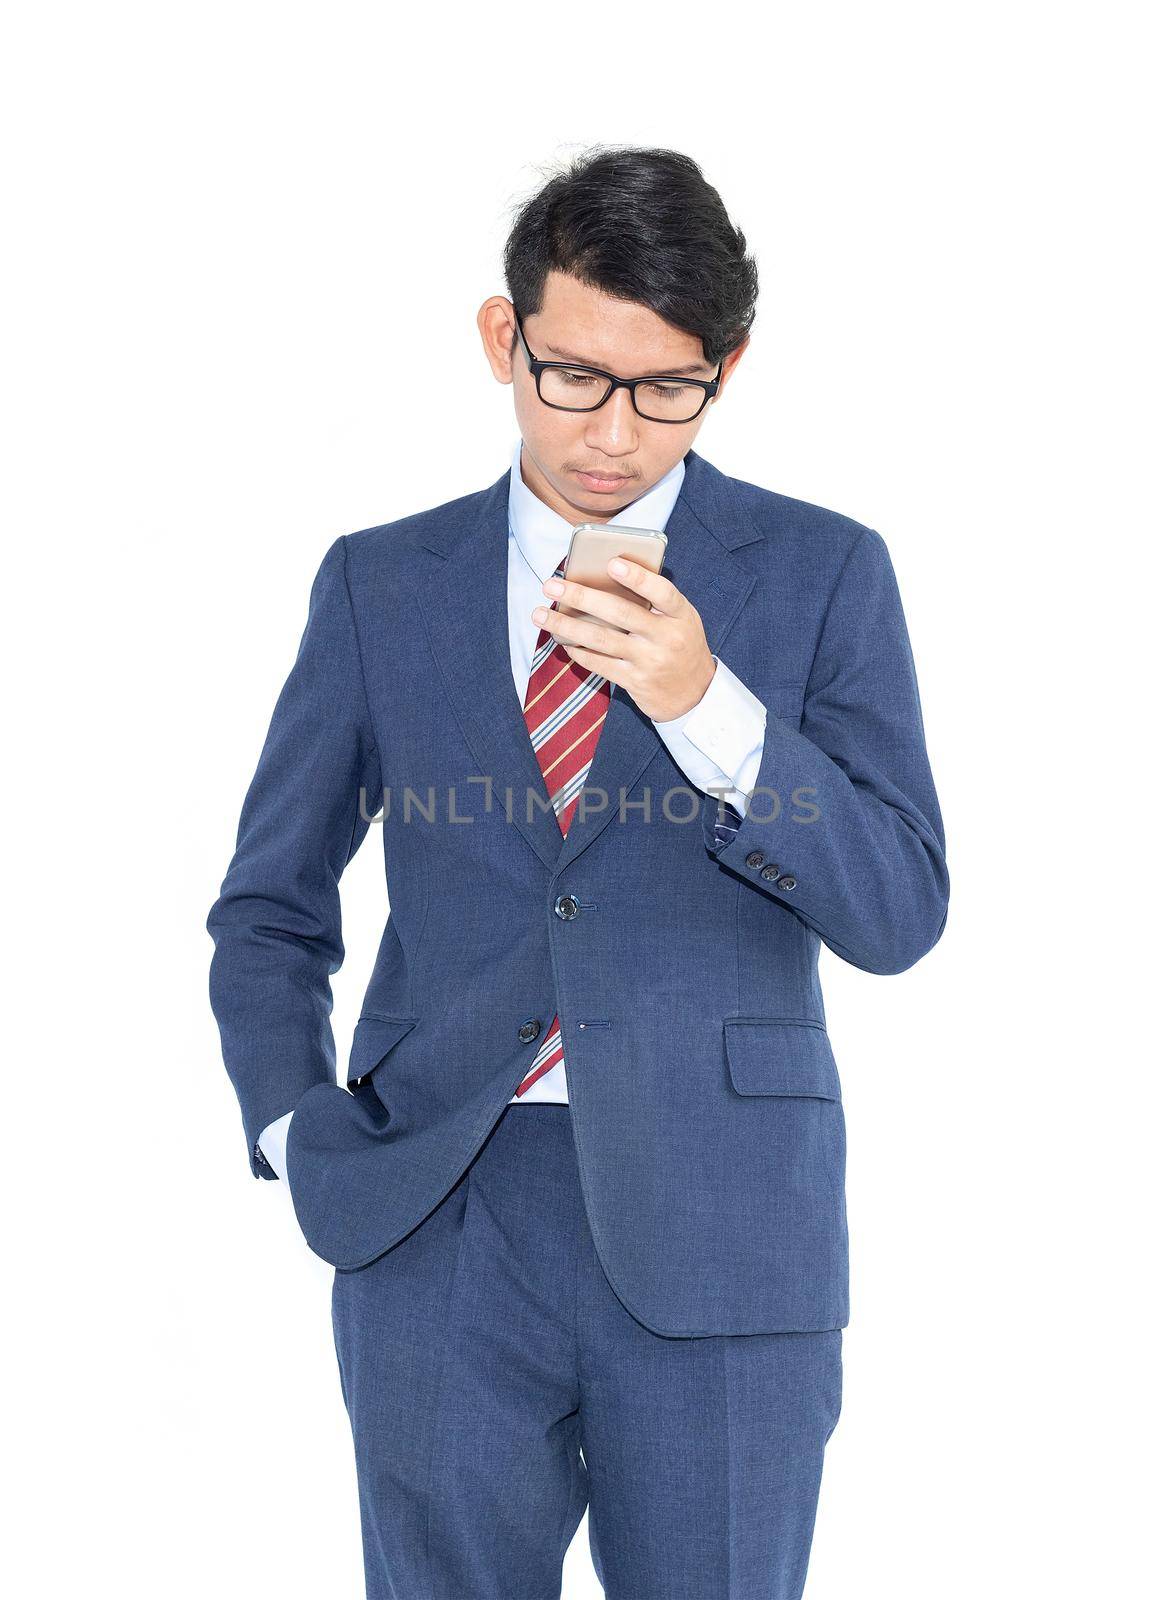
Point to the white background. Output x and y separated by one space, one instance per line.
245 243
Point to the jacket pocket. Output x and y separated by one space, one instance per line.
374 1039
781 1055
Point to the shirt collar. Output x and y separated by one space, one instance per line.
544 536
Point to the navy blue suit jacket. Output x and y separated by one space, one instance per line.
682 961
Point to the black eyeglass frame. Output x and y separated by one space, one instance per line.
536 367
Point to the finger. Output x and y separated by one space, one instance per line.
614 608
612 667
653 586
577 630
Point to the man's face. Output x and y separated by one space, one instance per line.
588 465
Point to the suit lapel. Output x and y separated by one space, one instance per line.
465 612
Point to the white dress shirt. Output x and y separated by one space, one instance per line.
717 744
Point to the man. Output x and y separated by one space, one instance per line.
584 1187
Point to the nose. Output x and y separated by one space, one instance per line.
614 428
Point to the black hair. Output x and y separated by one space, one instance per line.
642 225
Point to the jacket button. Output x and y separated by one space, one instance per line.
566 906
787 882
771 871
754 858
528 1031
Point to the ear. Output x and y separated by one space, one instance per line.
496 319
730 363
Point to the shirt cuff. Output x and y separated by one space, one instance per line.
727 725
272 1141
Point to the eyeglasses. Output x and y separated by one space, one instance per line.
568 387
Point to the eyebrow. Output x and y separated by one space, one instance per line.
661 372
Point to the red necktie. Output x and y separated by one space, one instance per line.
565 706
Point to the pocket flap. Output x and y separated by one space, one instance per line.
780 1055
374 1038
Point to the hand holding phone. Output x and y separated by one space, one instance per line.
592 545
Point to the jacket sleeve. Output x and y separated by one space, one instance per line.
850 836
277 922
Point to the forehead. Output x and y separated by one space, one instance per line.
578 322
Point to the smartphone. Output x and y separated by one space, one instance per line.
593 544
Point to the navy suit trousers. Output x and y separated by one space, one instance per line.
497 1386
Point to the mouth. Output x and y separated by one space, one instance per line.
602 482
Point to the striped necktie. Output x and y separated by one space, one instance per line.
565 706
